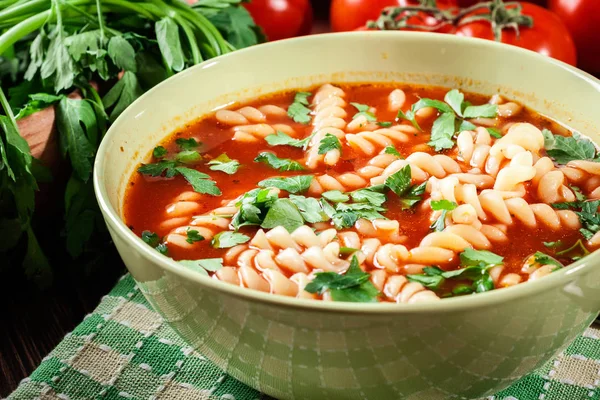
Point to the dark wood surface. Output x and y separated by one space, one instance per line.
33 322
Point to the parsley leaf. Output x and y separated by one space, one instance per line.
392 150
578 194
253 207
413 196
310 208
159 152
298 110
328 143
442 132
368 195
445 206
363 110
564 149
200 181
482 111
475 257
227 239
204 266
169 43
553 245
193 236
590 218
432 282
284 213
455 99
292 184
346 215
544 259
157 169
122 94
187 144
283 139
353 286
281 164
188 157
224 164
336 196
399 181
152 240
385 124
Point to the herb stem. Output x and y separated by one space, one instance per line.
100 20
16 11
8 109
23 28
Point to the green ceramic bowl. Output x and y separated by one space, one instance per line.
461 348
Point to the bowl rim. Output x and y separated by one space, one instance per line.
461 303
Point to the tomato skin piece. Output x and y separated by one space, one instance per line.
582 18
548 36
282 19
348 15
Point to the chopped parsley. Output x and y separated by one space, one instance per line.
545 259
353 286
399 183
553 245
159 152
575 252
152 240
329 143
385 124
203 266
298 110
310 209
280 164
224 164
368 195
392 150
292 184
452 114
200 181
253 207
283 212
227 239
336 196
444 206
476 263
188 157
564 149
283 139
187 144
193 236
363 110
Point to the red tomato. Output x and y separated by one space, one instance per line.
282 19
348 15
582 18
548 36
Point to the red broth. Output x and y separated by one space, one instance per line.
148 197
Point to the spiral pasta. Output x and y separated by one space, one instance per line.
398 289
249 115
368 143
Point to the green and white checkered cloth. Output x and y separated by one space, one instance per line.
124 350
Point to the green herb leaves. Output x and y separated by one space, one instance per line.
399 183
298 110
564 149
453 112
588 215
352 286
167 35
329 143
224 164
292 184
280 164
284 213
152 240
227 239
282 139
444 206
545 259
363 110
200 181
476 263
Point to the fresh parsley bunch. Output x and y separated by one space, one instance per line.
90 59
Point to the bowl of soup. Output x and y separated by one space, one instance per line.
364 215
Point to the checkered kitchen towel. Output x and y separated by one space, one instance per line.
124 350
